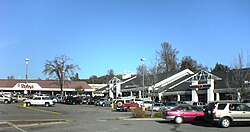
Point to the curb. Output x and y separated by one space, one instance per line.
140 119
38 122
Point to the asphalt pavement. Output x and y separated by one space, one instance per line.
89 118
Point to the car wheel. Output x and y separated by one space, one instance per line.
74 103
225 122
119 104
46 104
28 104
103 104
178 120
6 101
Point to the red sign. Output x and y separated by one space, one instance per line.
27 86
201 86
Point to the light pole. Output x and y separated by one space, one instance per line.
63 74
26 76
142 60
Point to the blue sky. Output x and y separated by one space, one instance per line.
114 34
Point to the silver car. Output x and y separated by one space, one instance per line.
224 114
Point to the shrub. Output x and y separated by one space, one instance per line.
158 115
138 112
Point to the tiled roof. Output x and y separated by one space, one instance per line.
47 83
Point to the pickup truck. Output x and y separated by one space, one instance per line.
125 105
39 100
5 99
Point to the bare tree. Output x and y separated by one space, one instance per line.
140 69
167 58
59 69
111 73
240 76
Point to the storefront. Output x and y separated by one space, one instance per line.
43 87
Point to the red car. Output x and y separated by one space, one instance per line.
184 113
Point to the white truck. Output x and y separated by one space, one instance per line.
5 99
39 100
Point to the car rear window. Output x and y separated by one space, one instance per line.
221 106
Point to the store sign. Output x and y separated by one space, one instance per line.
27 86
200 86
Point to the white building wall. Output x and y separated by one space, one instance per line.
210 91
194 92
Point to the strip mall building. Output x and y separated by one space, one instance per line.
43 87
179 86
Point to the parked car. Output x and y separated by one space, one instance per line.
92 100
156 107
19 98
226 113
138 101
125 105
147 104
39 100
103 102
63 100
85 99
59 99
5 99
172 104
183 113
73 100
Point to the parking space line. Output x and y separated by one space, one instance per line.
41 110
16 127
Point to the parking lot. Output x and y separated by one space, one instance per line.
90 118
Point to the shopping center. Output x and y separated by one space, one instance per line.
183 85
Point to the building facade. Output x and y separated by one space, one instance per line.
50 87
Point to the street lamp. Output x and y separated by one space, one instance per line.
63 75
27 63
142 60
26 76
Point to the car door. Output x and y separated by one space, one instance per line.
245 112
188 113
235 112
38 100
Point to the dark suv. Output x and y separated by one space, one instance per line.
73 100
225 113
